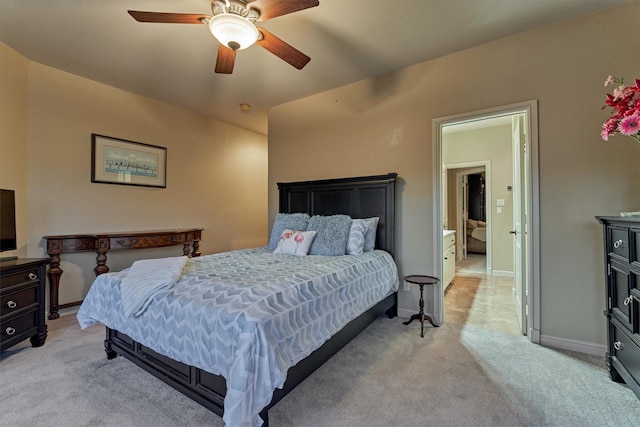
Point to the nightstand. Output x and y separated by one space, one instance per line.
22 289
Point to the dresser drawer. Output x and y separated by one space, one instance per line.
16 326
16 301
619 242
635 244
19 277
622 304
626 351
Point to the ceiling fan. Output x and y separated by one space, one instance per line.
232 24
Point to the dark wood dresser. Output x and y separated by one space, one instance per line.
22 287
622 271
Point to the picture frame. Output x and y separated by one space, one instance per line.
119 161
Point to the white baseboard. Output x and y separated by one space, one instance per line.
573 345
405 313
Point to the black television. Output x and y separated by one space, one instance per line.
8 239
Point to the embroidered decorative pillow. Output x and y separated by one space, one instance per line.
295 221
355 244
294 242
333 233
370 237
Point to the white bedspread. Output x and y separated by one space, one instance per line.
146 278
247 315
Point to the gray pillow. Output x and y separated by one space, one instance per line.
355 244
295 221
333 233
370 237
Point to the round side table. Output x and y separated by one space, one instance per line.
421 280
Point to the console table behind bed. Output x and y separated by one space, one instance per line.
360 197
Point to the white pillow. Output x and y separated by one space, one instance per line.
294 242
295 221
370 237
355 244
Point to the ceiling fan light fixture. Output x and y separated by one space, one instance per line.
233 31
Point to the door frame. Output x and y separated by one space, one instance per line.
530 109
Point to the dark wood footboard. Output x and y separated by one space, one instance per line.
208 389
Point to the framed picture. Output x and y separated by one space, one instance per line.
118 161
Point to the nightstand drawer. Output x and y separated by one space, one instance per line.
19 277
16 301
16 326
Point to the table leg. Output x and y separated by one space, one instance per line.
54 272
196 248
421 312
421 316
101 263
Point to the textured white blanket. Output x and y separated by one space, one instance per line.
145 278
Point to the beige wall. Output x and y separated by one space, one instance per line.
491 144
216 172
385 124
13 138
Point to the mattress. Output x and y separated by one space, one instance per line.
247 315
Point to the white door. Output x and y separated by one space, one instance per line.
519 220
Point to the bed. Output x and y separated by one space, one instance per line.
476 236
225 391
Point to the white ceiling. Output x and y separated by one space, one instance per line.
347 40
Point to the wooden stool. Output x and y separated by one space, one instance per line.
421 280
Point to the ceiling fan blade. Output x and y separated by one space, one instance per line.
273 8
169 18
282 49
226 59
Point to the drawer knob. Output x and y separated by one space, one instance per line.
33 276
10 330
618 345
628 300
617 243
11 304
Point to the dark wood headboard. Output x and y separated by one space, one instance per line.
358 197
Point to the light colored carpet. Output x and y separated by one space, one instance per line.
456 375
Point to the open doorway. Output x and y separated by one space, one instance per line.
467 187
503 229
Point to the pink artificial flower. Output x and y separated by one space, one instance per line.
610 80
625 104
630 125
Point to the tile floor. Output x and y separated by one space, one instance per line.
480 300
